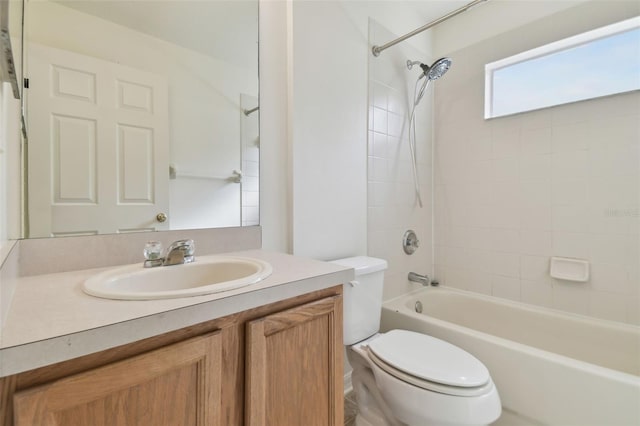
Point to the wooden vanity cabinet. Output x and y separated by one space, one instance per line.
175 385
294 366
288 353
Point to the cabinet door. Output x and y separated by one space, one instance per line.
294 372
174 385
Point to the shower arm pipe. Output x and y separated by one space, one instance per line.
376 50
249 111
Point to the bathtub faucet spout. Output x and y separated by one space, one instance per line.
417 278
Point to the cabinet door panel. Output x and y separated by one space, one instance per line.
294 366
175 385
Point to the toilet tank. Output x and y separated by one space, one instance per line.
362 298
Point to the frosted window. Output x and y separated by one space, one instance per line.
599 63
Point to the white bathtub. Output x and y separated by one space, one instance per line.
549 367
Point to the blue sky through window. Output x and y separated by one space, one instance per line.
597 68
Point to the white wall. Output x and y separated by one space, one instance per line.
492 18
11 138
329 108
10 151
275 160
5 89
393 206
511 192
9 193
329 121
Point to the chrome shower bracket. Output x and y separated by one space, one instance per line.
410 242
411 63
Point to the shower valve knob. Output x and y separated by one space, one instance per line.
410 242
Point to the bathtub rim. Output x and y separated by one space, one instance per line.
398 304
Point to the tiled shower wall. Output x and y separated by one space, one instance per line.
392 205
512 192
250 137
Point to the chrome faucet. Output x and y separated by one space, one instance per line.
417 278
179 252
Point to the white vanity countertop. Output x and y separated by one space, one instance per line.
51 319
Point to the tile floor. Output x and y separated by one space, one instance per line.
350 409
508 418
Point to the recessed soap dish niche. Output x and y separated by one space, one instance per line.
569 269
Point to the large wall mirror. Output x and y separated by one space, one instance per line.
141 115
11 44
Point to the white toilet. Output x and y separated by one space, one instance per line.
407 378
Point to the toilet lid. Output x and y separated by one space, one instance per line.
428 358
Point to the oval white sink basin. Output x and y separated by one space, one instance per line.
204 276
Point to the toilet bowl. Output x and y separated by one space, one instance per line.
406 378
448 386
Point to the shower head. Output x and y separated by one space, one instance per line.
437 69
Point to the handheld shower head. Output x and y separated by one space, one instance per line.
433 72
437 69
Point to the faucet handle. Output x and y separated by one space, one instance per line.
152 250
153 254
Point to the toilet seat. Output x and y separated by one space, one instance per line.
429 363
429 385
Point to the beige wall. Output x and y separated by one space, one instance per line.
511 192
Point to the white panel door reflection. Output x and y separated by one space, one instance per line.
98 155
